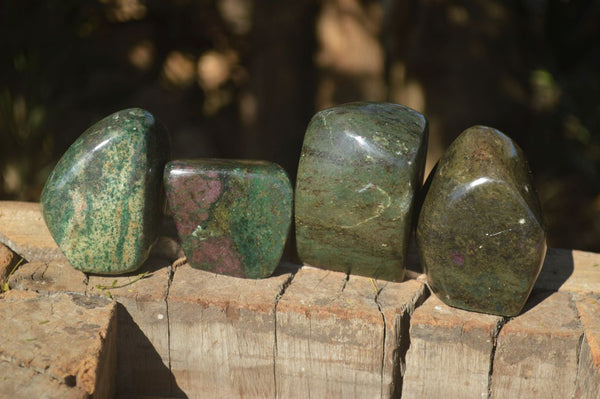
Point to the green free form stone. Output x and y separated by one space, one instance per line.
233 217
480 233
103 200
360 167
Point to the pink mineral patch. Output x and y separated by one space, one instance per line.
195 196
457 258
184 228
219 251
204 191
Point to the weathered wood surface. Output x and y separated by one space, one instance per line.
397 303
143 360
223 333
23 230
56 346
572 271
48 277
450 352
588 378
329 337
537 352
547 351
188 333
337 335
143 333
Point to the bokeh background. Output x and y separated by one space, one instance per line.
242 78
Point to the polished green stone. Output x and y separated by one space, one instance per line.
103 201
480 233
232 216
360 166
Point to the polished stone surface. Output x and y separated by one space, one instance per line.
103 201
232 216
360 167
480 233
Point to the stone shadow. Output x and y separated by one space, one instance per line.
558 267
140 368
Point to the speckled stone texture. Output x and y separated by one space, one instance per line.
360 167
103 201
232 216
480 233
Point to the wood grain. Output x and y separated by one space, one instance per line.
329 337
64 341
22 229
588 376
450 353
537 352
183 332
48 277
397 302
143 334
223 333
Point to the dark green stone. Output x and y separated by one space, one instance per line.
480 233
103 201
233 217
360 167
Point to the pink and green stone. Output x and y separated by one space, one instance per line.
232 216
480 234
103 201
360 168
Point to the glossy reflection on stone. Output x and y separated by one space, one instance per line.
233 217
360 167
480 233
103 201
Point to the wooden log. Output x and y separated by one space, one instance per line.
143 347
22 229
571 273
143 362
450 352
63 344
337 335
22 382
143 336
48 277
397 302
222 336
588 376
223 333
537 352
329 337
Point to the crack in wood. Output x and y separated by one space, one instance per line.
495 334
345 282
44 271
384 336
305 326
172 269
580 344
403 332
284 287
579 365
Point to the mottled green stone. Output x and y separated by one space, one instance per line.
360 166
103 201
232 216
480 233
